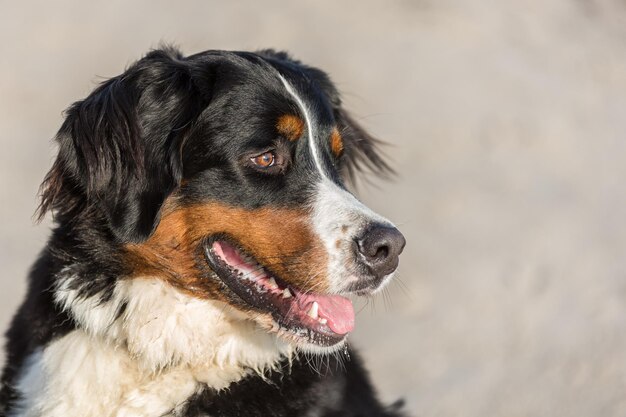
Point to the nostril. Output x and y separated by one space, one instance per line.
370 249
382 252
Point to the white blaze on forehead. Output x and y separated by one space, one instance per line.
338 217
317 158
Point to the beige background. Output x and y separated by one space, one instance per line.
507 121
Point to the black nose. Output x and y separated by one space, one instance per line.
380 247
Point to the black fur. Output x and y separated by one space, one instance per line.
329 388
135 139
119 149
36 323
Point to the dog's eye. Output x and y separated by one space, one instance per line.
272 161
265 160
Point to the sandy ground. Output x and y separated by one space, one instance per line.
507 123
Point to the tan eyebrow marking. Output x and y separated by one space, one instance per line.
290 126
336 142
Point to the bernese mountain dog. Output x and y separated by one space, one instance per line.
203 248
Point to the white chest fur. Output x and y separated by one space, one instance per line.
145 359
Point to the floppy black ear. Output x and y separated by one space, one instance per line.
119 149
362 151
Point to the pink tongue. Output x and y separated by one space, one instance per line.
335 309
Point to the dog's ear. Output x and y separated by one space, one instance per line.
119 149
361 150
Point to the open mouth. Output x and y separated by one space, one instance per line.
324 320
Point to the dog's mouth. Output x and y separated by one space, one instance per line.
323 320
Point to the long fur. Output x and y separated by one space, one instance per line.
123 317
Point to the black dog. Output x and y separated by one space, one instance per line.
203 246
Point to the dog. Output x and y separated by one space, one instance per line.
203 248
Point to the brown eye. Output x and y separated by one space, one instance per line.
265 160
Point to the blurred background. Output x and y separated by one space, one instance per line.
506 122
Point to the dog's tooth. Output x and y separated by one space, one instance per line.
313 310
287 293
322 320
271 284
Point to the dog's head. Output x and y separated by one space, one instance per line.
223 173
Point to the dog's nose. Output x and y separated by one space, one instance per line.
380 247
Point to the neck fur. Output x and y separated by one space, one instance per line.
145 347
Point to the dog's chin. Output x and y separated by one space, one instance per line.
298 341
312 322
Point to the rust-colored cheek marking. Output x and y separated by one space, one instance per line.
290 126
280 239
336 142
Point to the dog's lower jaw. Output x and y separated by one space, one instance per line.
145 358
